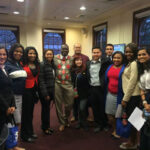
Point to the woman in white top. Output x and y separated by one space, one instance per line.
144 83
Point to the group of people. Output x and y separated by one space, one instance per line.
74 84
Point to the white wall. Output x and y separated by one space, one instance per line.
119 30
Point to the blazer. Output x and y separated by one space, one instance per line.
6 97
130 81
30 80
104 65
81 83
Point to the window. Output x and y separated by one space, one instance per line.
141 31
8 35
53 39
100 36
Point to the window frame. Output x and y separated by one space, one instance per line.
17 34
136 24
102 24
54 29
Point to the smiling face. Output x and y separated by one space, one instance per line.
117 60
129 54
78 62
96 54
49 56
64 50
143 56
3 56
77 48
18 52
31 55
109 50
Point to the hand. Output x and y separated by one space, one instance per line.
12 109
147 107
8 112
124 104
47 98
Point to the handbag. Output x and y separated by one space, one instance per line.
123 127
12 139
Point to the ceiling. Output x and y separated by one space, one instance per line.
54 11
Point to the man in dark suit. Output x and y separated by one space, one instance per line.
96 75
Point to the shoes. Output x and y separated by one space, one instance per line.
115 136
90 119
72 119
97 129
47 132
18 148
78 126
51 130
34 136
127 146
29 140
61 128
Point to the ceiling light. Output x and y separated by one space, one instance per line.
16 12
83 8
21 1
66 18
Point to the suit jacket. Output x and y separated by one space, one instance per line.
6 97
104 65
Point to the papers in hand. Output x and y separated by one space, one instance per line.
136 118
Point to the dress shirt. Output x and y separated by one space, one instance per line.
94 72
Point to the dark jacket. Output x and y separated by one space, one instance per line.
81 83
46 78
104 65
6 97
18 79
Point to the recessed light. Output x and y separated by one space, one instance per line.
16 12
66 18
21 1
83 8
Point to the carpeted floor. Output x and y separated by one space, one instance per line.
70 139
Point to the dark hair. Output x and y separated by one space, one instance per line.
119 52
12 49
109 44
2 47
96 47
25 57
45 51
145 66
134 49
75 68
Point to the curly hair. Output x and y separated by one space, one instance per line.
133 47
12 49
25 57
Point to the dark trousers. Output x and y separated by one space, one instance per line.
79 110
144 140
97 103
45 111
27 113
76 108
